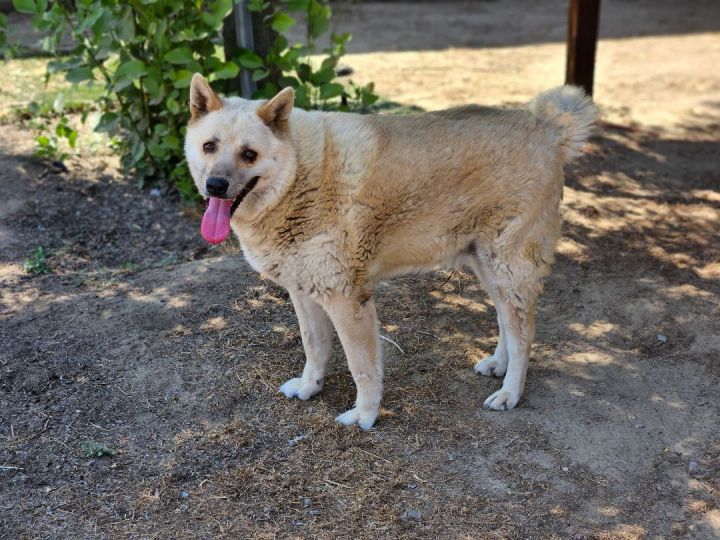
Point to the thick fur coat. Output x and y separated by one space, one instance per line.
338 201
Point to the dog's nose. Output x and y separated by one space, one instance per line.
217 186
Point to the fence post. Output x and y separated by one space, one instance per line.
583 19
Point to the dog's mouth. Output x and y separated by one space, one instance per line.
247 188
215 225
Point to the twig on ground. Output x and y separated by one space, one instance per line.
336 484
397 346
428 334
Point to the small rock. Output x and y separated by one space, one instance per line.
307 501
565 469
693 466
184 494
154 192
411 515
412 485
662 338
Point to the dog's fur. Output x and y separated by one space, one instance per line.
344 200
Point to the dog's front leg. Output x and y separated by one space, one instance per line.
316 332
357 326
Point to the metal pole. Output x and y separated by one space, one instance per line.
244 39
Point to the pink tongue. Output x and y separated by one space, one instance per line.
216 222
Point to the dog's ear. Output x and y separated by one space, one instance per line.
202 98
275 113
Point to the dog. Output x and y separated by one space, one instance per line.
328 203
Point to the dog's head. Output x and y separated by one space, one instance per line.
239 154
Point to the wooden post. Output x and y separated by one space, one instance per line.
583 19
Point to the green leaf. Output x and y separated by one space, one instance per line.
134 69
318 19
25 6
304 71
288 81
250 60
179 55
298 5
323 76
72 138
172 142
256 5
182 78
282 22
79 74
228 70
331 90
259 74
108 122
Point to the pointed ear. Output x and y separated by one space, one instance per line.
202 98
275 113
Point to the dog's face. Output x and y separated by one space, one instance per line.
239 151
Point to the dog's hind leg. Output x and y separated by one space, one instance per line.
316 331
496 364
514 290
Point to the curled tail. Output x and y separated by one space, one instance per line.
570 113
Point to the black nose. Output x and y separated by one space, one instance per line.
217 186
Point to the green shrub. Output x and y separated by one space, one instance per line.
37 263
144 53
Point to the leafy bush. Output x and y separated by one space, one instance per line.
37 262
145 52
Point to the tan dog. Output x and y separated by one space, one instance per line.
327 204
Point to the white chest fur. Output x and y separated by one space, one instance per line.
314 266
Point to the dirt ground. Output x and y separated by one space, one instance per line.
169 353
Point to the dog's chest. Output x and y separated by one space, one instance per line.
314 266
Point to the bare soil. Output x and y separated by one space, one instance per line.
169 353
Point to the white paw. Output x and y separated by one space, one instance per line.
502 400
491 367
299 389
354 416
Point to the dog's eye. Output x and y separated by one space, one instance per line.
248 155
209 147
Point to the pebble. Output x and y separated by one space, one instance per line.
693 466
154 192
662 338
411 515
307 501
184 494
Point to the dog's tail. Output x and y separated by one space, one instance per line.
570 113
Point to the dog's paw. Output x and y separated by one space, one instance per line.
502 400
364 419
491 367
299 389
